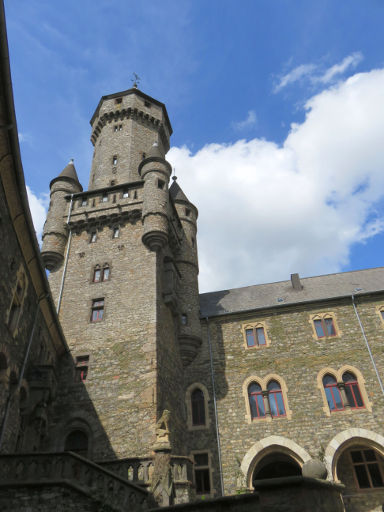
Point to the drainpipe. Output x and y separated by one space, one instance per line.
215 408
367 344
13 392
66 258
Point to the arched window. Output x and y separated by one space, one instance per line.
77 441
352 391
198 407
276 401
332 392
256 401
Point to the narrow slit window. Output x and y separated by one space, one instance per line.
187 212
198 407
125 193
184 319
114 160
116 232
93 237
104 198
84 201
161 184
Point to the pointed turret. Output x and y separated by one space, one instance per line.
55 233
189 335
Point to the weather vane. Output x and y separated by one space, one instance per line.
135 80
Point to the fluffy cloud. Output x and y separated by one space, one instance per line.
38 207
267 210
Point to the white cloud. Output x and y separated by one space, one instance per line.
249 121
269 210
38 207
314 74
296 74
338 69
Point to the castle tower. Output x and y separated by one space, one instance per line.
124 280
55 233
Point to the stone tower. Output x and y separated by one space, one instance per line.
123 272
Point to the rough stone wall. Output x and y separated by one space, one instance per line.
136 136
295 356
122 347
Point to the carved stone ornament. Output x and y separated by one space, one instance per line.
162 433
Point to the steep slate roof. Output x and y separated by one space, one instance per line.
314 288
176 193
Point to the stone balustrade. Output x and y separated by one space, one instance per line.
99 483
139 470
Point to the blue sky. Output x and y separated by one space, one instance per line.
277 108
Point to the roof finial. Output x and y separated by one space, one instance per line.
135 80
174 177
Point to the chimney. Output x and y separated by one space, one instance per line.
296 284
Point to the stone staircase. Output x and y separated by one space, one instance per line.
104 489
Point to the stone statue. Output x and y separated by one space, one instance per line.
162 432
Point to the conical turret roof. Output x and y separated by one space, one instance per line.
155 151
69 173
176 192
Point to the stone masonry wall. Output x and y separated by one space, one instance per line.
297 357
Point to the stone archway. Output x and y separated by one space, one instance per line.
291 452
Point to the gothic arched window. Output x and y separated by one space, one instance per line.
332 392
198 407
256 401
276 401
352 391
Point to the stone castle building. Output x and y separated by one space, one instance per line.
118 377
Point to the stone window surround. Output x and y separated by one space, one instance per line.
322 316
254 325
188 402
338 374
21 276
263 382
210 468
